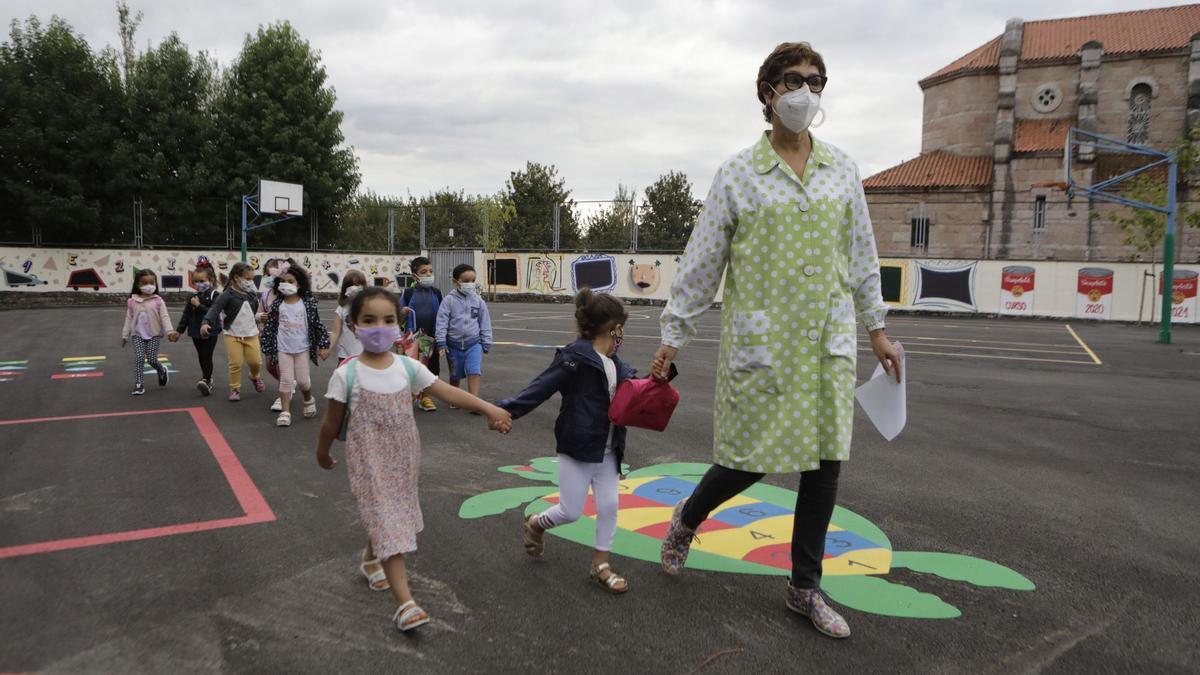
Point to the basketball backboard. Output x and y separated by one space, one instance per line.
280 198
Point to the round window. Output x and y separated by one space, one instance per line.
1048 98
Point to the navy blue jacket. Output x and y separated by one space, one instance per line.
581 431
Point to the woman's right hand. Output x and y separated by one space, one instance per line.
660 367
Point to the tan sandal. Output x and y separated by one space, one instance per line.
409 615
535 542
377 580
613 582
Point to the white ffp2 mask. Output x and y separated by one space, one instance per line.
797 109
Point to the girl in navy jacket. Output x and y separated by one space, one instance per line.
590 449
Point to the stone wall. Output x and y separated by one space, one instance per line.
960 116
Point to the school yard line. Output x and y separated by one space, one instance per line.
1071 352
977 341
1083 344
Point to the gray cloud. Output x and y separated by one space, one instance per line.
459 94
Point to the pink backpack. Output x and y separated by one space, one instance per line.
645 403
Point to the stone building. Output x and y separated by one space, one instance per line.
994 126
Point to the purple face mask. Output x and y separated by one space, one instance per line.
378 339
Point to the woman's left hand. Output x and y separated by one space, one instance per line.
887 353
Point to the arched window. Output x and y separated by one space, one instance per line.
1139 113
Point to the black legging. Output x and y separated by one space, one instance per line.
204 349
814 508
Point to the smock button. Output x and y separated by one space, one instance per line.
814 335
809 270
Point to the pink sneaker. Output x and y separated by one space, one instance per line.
259 385
235 395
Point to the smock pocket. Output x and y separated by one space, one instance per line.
750 341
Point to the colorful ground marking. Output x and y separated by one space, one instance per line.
11 370
165 361
77 367
751 534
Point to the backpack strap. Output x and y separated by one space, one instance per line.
408 368
345 428
350 369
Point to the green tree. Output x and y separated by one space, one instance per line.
363 225
610 228
669 215
498 212
63 157
448 211
534 192
275 118
169 94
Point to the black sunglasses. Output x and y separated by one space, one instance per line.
793 81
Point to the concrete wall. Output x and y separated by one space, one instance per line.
939 285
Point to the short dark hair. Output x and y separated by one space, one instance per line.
359 300
458 271
597 312
138 277
784 56
303 282
419 261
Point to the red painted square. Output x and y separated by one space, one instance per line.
254 507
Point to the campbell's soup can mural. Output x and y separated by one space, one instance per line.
1094 297
1183 295
1016 290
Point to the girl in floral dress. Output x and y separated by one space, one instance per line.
383 449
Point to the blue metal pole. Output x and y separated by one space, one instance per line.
244 228
1168 277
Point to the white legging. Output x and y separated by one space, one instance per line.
574 477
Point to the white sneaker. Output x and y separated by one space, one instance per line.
277 406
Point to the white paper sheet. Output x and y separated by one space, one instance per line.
884 400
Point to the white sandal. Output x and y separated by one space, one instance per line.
409 616
374 578
615 583
310 408
284 419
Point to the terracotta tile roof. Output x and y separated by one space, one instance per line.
982 58
1041 135
1149 30
934 170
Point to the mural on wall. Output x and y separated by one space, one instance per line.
544 274
1183 295
1094 293
644 278
945 285
597 272
1016 290
502 273
751 534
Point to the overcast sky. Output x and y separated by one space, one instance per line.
458 94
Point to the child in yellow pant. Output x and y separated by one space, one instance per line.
239 304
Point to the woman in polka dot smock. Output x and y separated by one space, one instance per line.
786 224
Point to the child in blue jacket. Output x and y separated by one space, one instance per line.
464 330
589 448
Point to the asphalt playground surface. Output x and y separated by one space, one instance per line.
203 538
